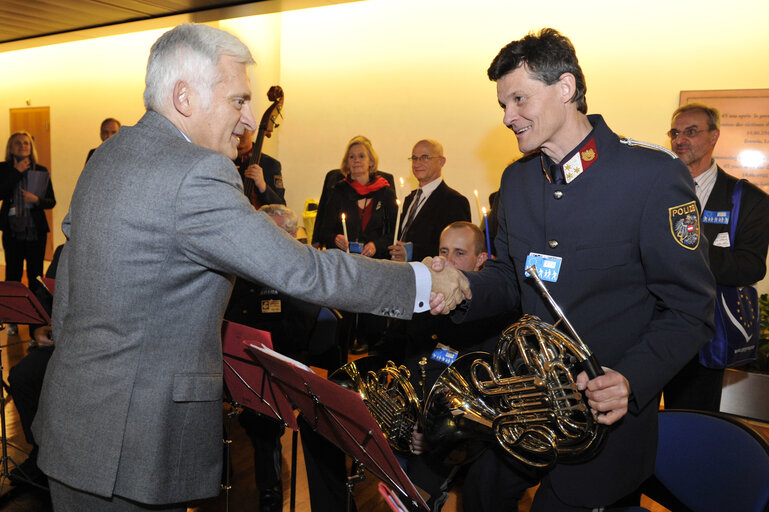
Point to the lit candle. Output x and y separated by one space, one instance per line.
344 231
397 220
478 203
486 224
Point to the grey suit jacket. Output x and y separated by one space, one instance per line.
158 226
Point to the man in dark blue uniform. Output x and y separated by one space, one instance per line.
268 180
596 214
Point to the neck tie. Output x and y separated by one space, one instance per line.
412 213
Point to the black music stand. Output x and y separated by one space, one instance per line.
340 416
18 305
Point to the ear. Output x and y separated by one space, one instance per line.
568 86
480 260
181 97
714 136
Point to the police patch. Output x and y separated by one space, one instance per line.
685 225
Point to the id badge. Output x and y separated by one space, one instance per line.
444 354
270 305
712 217
548 267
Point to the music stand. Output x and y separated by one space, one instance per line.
18 305
248 383
250 386
341 417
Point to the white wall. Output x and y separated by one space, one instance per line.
400 70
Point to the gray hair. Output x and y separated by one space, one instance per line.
712 113
290 219
190 53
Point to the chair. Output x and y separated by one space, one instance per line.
711 462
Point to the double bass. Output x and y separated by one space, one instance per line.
266 127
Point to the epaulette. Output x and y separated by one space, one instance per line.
648 145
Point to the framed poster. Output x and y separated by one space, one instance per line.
743 146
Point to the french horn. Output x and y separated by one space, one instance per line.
523 397
388 394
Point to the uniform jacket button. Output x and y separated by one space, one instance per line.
558 194
553 244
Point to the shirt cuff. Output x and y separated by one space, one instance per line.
424 284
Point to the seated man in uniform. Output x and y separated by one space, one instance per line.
486 484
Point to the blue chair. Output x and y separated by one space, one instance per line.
712 462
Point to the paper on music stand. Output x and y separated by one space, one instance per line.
340 416
246 380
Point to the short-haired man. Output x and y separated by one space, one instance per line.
108 128
694 132
130 413
266 174
487 479
594 214
429 208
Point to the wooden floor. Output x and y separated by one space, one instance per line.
243 495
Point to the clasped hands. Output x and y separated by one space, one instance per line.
449 286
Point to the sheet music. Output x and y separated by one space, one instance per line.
282 357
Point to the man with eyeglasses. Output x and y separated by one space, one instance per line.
430 208
693 136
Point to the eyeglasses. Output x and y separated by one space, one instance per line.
422 158
689 132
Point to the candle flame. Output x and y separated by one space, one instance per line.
343 216
484 211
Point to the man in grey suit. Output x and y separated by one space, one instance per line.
130 414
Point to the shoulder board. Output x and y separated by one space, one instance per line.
632 142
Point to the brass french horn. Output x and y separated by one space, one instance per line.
387 393
524 397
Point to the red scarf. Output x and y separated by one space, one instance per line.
372 186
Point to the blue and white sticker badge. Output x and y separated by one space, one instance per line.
685 225
444 354
713 217
548 267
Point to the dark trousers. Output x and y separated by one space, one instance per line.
26 381
264 434
695 387
18 251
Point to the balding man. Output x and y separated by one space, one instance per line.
694 132
431 207
109 127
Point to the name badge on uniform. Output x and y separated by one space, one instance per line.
548 267
270 305
444 354
711 217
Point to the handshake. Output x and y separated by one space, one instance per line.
449 286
